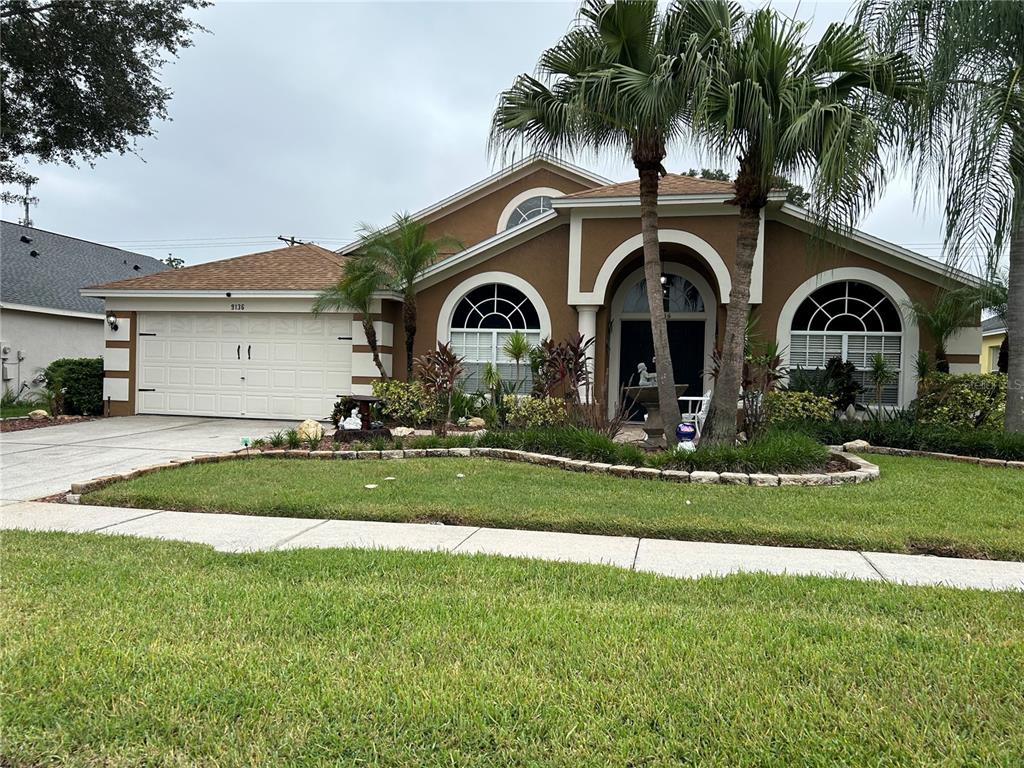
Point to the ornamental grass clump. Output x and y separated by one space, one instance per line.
773 452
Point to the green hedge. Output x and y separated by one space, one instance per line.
962 400
905 433
775 451
569 442
76 385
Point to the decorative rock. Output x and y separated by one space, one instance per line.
476 423
297 453
321 454
274 452
970 459
598 466
436 452
38 415
367 454
311 431
392 454
856 445
649 473
734 478
1015 464
703 477
344 454
576 465
622 470
414 453
764 481
844 477
73 498
676 475
403 431
459 451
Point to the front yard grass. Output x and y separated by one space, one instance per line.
127 652
919 505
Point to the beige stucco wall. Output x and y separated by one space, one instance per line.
43 338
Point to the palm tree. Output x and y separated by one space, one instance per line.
396 256
360 280
967 134
942 317
783 108
622 78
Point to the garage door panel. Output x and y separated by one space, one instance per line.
261 365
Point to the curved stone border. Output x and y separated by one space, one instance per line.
883 450
861 470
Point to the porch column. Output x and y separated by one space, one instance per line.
587 326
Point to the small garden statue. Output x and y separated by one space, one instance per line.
646 379
353 421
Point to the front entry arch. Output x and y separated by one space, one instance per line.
692 323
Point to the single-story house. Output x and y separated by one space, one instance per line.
549 249
993 334
43 316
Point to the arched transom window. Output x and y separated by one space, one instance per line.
529 209
853 321
679 295
481 324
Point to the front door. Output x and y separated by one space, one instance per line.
686 341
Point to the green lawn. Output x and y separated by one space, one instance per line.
919 505
17 409
125 652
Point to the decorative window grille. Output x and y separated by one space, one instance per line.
529 209
853 321
481 324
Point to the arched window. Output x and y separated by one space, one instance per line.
529 209
680 296
853 321
481 324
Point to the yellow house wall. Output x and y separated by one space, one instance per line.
988 343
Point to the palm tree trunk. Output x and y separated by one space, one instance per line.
409 323
1015 329
668 405
722 430
371 341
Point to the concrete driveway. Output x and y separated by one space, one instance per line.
44 461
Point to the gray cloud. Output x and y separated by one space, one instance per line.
307 118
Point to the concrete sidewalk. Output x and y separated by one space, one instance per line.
681 559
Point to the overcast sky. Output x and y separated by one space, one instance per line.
305 119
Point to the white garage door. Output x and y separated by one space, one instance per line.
254 365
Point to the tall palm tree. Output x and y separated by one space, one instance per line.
360 280
967 134
784 108
396 256
622 78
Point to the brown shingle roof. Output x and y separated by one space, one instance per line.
303 267
672 184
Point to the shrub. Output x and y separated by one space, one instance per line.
836 381
75 385
571 442
533 412
292 438
962 400
790 405
774 451
406 402
903 432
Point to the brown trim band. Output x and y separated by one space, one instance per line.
963 359
117 374
364 349
373 317
365 379
119 345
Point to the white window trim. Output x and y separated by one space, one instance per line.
521 198
890 288
444 317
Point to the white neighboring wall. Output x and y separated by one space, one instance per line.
45 336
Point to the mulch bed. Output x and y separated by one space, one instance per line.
21 424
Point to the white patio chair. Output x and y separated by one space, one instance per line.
695 410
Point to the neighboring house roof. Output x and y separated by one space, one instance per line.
300 267
672 184
61 266
993 326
